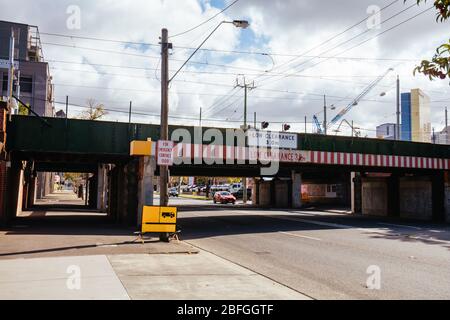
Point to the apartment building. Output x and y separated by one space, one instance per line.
35 82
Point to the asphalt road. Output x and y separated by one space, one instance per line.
326 255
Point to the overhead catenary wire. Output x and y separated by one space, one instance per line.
341 44
206 21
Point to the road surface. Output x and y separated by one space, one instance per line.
325 255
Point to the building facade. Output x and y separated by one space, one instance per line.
386 131
416 124
443 137
34 87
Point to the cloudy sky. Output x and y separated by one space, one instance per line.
294 52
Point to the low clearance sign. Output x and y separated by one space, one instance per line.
267 139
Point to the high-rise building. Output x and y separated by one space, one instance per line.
386 131
35 81
443 137
416 124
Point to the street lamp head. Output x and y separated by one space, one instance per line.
241 24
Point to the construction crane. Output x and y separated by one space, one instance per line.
354 103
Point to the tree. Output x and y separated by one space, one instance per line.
439 66
94 111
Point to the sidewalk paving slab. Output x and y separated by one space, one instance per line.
47 278
202 276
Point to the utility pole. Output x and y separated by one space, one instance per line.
200 119
164 133
254 120
247 87
397 129
67 107
129 114
306 129
325 114
446 126
11 73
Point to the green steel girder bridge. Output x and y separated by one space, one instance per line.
407 171
70 140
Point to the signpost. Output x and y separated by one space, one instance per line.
165 153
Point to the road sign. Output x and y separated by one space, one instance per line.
159 219
268 139
165 153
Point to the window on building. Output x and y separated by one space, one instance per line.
26 84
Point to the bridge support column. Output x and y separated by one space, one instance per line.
356 192
255 192
447 196
102 186
416 197
296 201
14 174
147 168
374 197
281 194
265 193
394 195
438 197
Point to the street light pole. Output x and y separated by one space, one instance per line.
246 87
165 81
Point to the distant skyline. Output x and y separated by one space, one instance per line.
280 31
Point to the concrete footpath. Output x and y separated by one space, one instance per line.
174 276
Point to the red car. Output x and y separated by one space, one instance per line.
224 197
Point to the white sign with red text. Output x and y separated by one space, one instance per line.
165 153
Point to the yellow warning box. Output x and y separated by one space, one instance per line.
140 148
159 219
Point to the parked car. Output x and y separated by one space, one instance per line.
173 192
240 194
224 197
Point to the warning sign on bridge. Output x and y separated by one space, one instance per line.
165 153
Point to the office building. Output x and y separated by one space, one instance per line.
386 131
416 124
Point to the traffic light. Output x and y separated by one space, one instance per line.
264 125
286 127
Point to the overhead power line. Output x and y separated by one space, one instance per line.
206 21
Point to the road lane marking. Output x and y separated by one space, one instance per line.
319 223
300 236
399 225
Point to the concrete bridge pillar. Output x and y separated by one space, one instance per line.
415 196
147 168
374 197
356 192
447 196
255 192
282 194
296 201
438 197
265 193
